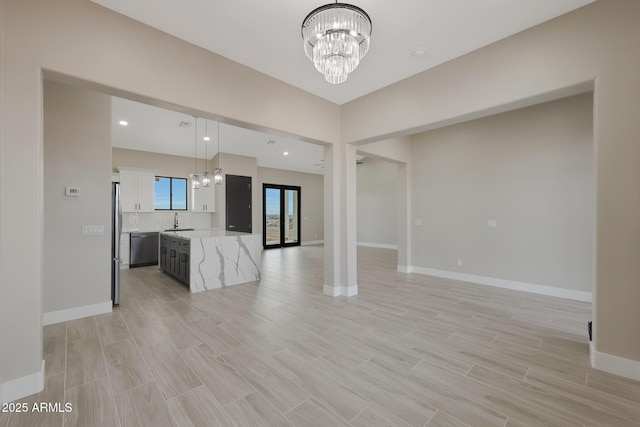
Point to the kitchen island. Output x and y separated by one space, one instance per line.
211 258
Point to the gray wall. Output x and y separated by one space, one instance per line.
377 204
530 170
311 204
77 152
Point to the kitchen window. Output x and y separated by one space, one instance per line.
170 194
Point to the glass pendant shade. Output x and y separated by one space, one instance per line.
336 37
195 181
206 179
217 176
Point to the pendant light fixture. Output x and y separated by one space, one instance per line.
336 37
195 178
218 177
206 178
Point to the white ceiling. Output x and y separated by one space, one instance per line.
157 130
265 35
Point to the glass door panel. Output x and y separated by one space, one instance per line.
272 218
291 212
281 212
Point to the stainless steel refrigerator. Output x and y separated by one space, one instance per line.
116 233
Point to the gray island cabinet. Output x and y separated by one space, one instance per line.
210 259
174 257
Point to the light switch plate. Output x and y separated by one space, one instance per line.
92 230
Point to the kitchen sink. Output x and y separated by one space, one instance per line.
179 229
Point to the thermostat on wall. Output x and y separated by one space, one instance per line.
72 191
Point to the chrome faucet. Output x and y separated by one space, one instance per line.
175 220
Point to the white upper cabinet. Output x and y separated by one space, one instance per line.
203 199
136 190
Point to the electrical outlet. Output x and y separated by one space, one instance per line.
418 221
459 262
491 223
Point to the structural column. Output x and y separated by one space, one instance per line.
340 264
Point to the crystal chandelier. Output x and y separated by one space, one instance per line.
336 37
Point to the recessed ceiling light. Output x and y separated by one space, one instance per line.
206 138
286 153
123 123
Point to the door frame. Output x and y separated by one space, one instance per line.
282 189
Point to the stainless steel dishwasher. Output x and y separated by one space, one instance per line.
143 249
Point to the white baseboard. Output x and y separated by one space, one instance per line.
23 386
404 269
614 365
377 245
76 313
312 242
502 283
336 291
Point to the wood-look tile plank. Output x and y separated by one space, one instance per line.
329 393
275 387
181 334
255 411
93 405
224 383
375 416
85 362
172 373
187 312
254 337
509 404
112 328
212 335
313 413
440 397
143 406
551 403
156 308
614 385
127 369
593 398
81 329
411 410
441 419
145 331
197 408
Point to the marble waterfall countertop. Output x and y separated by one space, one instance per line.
220 258
206 232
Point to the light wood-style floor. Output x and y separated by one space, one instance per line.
407 350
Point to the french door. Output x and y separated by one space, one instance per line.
281 216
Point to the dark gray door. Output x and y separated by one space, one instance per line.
238 201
